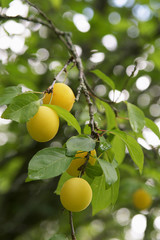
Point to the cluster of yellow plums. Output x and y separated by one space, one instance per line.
45 123
76 193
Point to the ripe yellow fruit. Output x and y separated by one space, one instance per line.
142 199
79 160
62 96
76 194
44 125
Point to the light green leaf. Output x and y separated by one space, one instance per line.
133 148
59 237
48 163
115 189
22 108
104 77
64 177
150 124
136 117
9 93
118 147
101 197
93 171
67 116
80 143
110 115
108 170
87 130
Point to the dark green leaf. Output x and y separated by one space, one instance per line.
48 163
110 115
59 237
67 116
101 197
136 117
150 124
105 78
108 170
22 108
133 148
93 171
80 143
9 93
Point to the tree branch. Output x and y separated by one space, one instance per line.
65 37
72 226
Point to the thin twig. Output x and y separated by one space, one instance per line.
94 95
83 167
131 75
29 19
41 13
72 226
64 69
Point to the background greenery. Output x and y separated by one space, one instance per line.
31 210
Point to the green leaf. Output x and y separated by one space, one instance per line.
150 124
67 116
110 115
93 171
133 147
80 143
22 108
105 78
64 177
104 145
101 197
48 163
5 3
115 189
118 147
87 129
108 170
9 93
59 237
136 117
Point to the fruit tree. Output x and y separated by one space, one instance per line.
79 120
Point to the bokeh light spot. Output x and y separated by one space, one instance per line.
143 82
81 23
109 41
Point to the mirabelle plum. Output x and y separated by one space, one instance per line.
142 199
44 125
76 194
62 96
79 160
